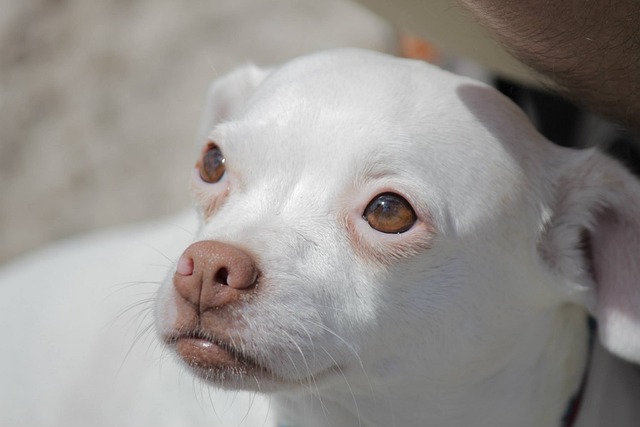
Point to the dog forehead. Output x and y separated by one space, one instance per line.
352 103
351 83
336 119
351 98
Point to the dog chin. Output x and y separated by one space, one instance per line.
222 365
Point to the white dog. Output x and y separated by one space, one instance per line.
381 243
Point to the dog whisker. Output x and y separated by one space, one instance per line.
212 404
136 340
321 306
348 346
304 360
162 254
249 407
146 304
129 284
180 227
312 376
346 380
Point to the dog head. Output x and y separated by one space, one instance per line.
377 219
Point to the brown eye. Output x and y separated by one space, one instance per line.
390 213
212 165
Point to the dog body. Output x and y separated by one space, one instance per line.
380 243
77 346
383 243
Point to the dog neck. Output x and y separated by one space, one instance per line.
610 395
533 390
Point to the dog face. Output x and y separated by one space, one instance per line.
373 219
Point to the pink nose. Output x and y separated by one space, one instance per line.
213 274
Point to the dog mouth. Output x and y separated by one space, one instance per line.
222 363
213 358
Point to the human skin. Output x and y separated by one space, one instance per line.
589 48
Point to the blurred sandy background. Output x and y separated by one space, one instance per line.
100 100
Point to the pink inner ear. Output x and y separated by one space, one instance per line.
616 262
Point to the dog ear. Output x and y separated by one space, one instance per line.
228 95
593 239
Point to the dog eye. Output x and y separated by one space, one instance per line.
212 164
390 213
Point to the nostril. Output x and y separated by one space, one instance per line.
221 276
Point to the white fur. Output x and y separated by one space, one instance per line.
77 348
476 316
486 326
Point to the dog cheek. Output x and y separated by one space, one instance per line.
208 198
319 318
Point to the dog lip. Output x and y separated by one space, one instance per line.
209 356
203 352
